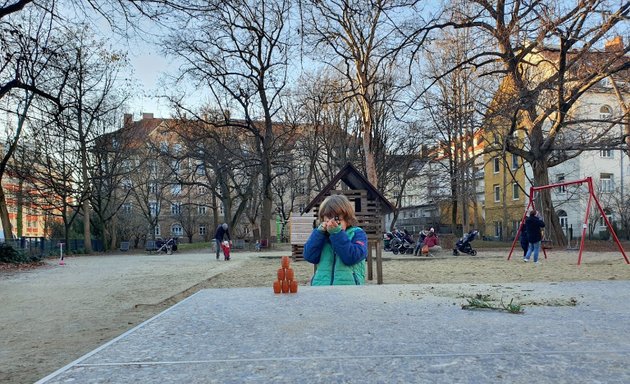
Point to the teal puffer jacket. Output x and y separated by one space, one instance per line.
340 257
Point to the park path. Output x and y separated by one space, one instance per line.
52 315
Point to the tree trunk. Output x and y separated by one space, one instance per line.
4 216
553 229
113 232
87 232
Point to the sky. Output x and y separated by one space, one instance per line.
148 67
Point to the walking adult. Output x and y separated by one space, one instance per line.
221 233
523 239
533 226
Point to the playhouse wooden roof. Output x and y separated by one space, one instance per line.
355 181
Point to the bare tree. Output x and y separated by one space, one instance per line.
240 53
543 84
91 95
454 104
366 42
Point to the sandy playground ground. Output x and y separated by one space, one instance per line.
54 314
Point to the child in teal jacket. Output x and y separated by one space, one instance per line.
337 246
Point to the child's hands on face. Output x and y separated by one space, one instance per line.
330 224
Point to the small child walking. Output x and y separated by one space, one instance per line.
225 247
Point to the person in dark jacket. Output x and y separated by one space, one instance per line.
523 239
533 226
338 246
221 233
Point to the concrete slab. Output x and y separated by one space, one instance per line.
374 334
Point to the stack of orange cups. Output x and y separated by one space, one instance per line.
286 282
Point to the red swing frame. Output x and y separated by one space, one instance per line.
591 192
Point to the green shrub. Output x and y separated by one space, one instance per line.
8 254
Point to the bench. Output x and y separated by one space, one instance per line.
150 246
124 246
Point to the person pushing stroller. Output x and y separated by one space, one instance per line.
421 236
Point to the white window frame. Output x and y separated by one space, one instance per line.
606 153
154 208
179 232
606 182
498 228
176 208
203 230
202 209
514 162
496 165
497 193
515 191
560 179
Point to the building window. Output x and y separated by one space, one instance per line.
606 153
515 225
497 193
495 163
153 167
127 166
157 230
564 220
164 147
559 180
202 230
605 112
126 208
177 230
498 229
609 216
126 184
153 188
176 189
515 191
201 168
154 208
176 208
514 161
202 209
606 182
301 169
176 166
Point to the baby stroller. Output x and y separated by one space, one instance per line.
401 244
168 246
463 244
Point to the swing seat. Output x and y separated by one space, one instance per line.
546 244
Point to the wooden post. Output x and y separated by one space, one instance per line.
370 273
379 265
